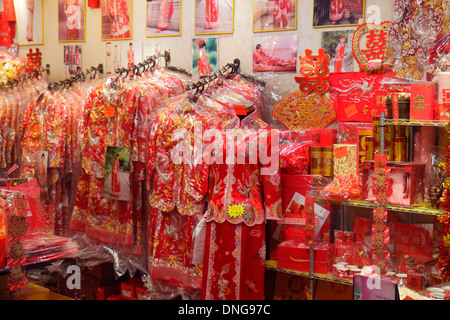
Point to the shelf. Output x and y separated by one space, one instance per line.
392 207
32 266
272 265
426 123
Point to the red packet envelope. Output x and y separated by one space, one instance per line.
357 96
422 101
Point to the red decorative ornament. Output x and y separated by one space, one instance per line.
34 60
315 70
299 111
369 47
380 238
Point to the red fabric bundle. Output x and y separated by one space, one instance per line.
294 158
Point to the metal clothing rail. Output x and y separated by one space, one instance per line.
229 68
29 75
146 65
79 77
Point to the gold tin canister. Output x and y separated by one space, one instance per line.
316 160
327 161
400 149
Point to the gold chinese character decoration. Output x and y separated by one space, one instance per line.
419 103
309 107
370 46
298 111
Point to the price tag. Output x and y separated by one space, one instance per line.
110 112
340 152
351 111
240 110
236 211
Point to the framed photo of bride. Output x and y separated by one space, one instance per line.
214 17
71 20
204 57
279 15
163 18
117 19
30 22
338 13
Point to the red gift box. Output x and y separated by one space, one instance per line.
141 293
442 111
127 291
422 101
104 293
322 137
294 187
404 182
294 183
413 245
348 131
415 281
296 256
362 227
442 106
358 96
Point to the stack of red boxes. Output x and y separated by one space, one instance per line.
133 289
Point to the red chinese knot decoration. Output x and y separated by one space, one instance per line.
380 230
